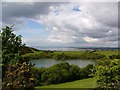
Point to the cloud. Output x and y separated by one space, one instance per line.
90 25
89 39
17 12
82 23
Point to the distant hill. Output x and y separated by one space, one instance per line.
26 49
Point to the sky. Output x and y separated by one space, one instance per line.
85 24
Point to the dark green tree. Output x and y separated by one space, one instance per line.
11 46
16 72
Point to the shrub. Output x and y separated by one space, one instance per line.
62 72
109 75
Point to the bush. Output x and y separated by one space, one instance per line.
18 76
62 72
114 57
109 75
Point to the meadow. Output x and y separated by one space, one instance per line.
84 83
61 55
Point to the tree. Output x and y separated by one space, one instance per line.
16 72
11 46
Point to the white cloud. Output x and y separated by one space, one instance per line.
94 23
90 23
90 40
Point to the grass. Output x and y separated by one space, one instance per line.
84 83
70 54
107 53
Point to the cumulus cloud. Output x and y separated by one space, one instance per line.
91 22
82 23
18 12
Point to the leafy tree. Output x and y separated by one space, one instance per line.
109 75
87 71
75 72
11 46
16 73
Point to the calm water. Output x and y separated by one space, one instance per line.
59 48
49 62
63 48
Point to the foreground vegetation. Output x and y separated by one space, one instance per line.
84 83
19 73
16 72
60 73
108 75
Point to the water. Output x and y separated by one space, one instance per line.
56 48
49 62
66 48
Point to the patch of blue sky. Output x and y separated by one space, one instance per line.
33 29
76 9
33 24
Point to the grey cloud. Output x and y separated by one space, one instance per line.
14 11
70 28
105 12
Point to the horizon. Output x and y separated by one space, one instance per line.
78 46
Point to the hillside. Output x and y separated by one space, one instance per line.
26 49
84 83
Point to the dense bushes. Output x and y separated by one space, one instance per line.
18 76
109 75
114 56
60 73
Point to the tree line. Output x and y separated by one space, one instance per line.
60 73
64 55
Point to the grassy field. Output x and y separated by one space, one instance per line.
84 83
107 53
70 54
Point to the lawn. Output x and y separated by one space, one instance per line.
84 83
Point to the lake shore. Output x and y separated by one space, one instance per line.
65 55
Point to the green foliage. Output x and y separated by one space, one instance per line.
62 72
114 56
26 49
38 55
85 55
15 71
109 75
108 53
18 76
87 71
37 73
11 46
62 55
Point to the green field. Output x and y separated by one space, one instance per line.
84 83
59 55
107 53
